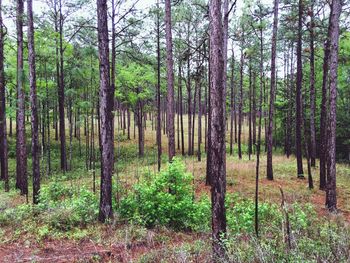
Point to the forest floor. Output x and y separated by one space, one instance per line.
30 241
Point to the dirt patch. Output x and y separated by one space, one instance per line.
65 250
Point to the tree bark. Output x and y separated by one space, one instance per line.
240 106
298 123
170 80
250 146
269 170
323 118
33 102
48 150
289 95
3 132
159 121
181 110
331 194
232 102
312 89
21 151
208 179
61 98
217 147
199 119
106 112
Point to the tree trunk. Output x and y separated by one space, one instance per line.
194 112
48 171
181 110
232 102
240 106
306 147
106 112
323 118
254 111
312 89
250 146
128 113
257 167
331 194
298 123
139 116
289 95
33 102
217 147
3 132
21 151
269 170
199 120
170 80
189 111
208 179
159 121
61 94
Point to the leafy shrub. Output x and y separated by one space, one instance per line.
241 214
64 208
54 192
79 210
166 199
16 214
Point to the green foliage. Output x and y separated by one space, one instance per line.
67 209
59 208
241 214
15 215
54 192
166 199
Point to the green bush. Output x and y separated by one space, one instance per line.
54 192
16 214
64 208
240 214
79 210
166 199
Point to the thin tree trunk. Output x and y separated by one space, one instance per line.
232 102
250 146
140 127
106 112
170 79
194 113
33 102
159 121
189 111
21 151
306 147
289 95
331 194
312 89
10 99
208 179
240 106
61 94
199 120
256 221
269 170
298 123
181 110
129 119
323 118
48 172
3 132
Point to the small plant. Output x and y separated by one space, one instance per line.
241 214
167 200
